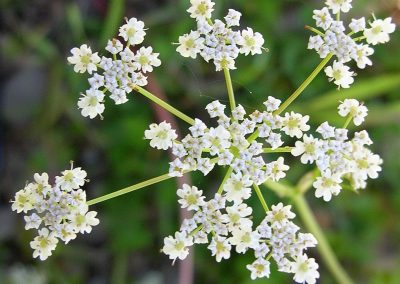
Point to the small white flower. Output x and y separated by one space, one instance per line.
44 244
340 74
161 135
83 59
220 248
190 44
237 188
339 5
361 54
32 222
315 42
305 270
114 46
119 96
145 59
294 124
244 239
326 130
277 170
379 31
353 108
323 18
309 149
71 179
190 197
251 42
133 31
259 268
357 25
91 103
215 109
233 18
201 9
224 61
177 247
272 104
84 222
327 185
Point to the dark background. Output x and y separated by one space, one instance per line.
42 130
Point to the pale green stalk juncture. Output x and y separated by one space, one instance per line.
129 189
163 104
229 87
304 84
261 197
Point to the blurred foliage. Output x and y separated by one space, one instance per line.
43 130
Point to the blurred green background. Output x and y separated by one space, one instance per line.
42 130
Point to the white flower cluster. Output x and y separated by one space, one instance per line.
217 41
56 212
227 217
232 143
117 74
337 157
227 226
339 42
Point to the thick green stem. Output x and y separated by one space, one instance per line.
304 84
129 189
261 197
163 104
323 246
227 175
278 150
230 89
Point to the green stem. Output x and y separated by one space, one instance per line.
163 104
230 89
324 248
304 84
129 189
315 30
278 150
261 197
227 175
348 120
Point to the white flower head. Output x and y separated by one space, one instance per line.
145 59
379 31
161 135
233 18
190 197
251 42
353 108
133 31
259 268
91 104
71 179
340 74
190 44
44 244
177 247
201 9
220 248
338 6
84 59
305 270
